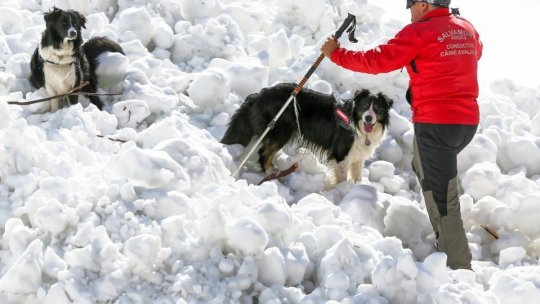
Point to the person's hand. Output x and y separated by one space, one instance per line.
330 46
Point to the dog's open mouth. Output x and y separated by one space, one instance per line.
368 127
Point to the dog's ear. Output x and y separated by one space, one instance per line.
386 99
51 14
358 95
82 19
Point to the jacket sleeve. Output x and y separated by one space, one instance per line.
393 55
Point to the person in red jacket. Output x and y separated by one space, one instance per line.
440 50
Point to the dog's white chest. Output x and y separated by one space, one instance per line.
59 79
59 68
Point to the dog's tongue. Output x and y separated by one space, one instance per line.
368 127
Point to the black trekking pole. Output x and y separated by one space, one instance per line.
349 21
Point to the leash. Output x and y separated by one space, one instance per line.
297 114
349 24
74 91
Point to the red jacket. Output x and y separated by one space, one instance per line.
441 53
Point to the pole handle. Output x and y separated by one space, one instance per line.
346 23
350 18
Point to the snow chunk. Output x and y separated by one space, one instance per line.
511 256
131 113
129 22
272 267
247 236
209 88
24 276
481 180
147 168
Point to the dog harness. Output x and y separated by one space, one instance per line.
441 54
344 117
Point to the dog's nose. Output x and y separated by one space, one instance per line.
72 34
369 118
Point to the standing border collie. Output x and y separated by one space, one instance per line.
345 146
62 62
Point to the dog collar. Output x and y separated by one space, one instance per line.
56 63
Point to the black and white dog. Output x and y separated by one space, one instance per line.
62 62
321 124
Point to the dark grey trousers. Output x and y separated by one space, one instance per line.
435 163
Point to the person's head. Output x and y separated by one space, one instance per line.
421 7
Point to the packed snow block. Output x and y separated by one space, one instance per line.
129 25
480 149
341 270
520 213
520 152
535 125
406 221
200 161
151 67
193 9
17 65
6 81
380 169
390 151
279 50
82 258
95 23
131 113
395 279
10 23
432 273
296 263
516 285
54 217
159 100
271 265
111 70
362 204
481 180
218 37
24 276
273 215
175 235
247 236
164 205
52 263
143 251
56 294
209 88
511 256
317 21
249 19
163 36
5 119
150 169
482 210
246 77
17 236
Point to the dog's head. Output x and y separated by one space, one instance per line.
65 25
370 110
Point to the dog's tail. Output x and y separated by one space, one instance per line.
240 130
97 46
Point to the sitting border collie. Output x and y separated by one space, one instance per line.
319 126
62 62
